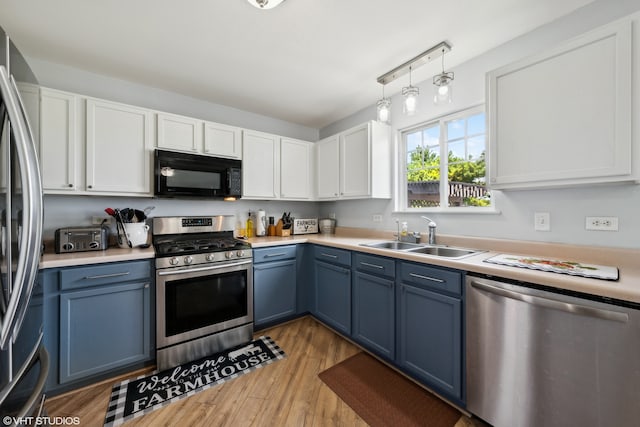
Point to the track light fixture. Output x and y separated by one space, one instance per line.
411 92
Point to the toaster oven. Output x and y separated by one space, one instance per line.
80 239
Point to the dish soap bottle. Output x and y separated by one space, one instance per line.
271 231
249 229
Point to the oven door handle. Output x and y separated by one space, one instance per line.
207 268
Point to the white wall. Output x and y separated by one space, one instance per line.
568 207
62 77
69 211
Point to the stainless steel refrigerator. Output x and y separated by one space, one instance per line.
24 361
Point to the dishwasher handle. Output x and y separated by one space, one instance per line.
552 303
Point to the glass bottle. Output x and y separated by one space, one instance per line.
249 230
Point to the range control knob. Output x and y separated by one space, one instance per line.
210 257
66 246
188 259
94 245
240 254
229 254
174 261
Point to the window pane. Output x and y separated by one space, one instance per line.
455 129
456 151
414 140
476 147
466 169
476 124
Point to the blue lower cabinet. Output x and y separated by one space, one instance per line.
274 291
430 338
333 295
98 321
103 328
374 313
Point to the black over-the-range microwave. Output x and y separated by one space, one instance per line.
196 176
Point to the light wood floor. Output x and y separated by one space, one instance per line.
285 393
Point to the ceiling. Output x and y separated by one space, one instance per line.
308 62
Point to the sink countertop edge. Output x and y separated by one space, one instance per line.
627 288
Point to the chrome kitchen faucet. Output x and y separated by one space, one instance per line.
432 230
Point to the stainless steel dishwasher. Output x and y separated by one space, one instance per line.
541 358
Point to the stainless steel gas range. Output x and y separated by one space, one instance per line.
204 288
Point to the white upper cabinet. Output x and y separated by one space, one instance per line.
327 167
119 147
92 146
260 165
563 117
296 169
198 136
222 140
61 163
179 133
275 167
355 164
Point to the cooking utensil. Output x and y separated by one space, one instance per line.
124 232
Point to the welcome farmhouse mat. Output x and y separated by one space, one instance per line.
133 398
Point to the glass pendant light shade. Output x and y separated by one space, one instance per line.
410 94
410 105
265 4
384 110
443 92
443 89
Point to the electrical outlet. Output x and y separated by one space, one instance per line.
601 223
377 218
332 215
542 221
97 220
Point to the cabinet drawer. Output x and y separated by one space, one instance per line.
333 255
433 278
274 254
95 275
375 265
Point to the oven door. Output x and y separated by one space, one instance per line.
193 302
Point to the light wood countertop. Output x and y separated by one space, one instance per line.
626 288
113 254
627 261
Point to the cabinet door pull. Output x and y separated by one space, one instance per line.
329 255
432 279
274 255
366 264
105 276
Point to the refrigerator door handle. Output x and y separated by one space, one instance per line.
31 188
39 353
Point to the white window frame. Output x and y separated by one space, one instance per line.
401 187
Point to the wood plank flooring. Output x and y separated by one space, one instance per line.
285 393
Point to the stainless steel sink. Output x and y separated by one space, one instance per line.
416 248
394 245
444 251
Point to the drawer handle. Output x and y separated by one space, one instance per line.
274 255
105 276
366 264
329 255
420 276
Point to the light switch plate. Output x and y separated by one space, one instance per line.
542 221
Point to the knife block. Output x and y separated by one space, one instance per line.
284 232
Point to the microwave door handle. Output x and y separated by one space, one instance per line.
28 258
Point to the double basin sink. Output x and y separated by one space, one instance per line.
417 248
